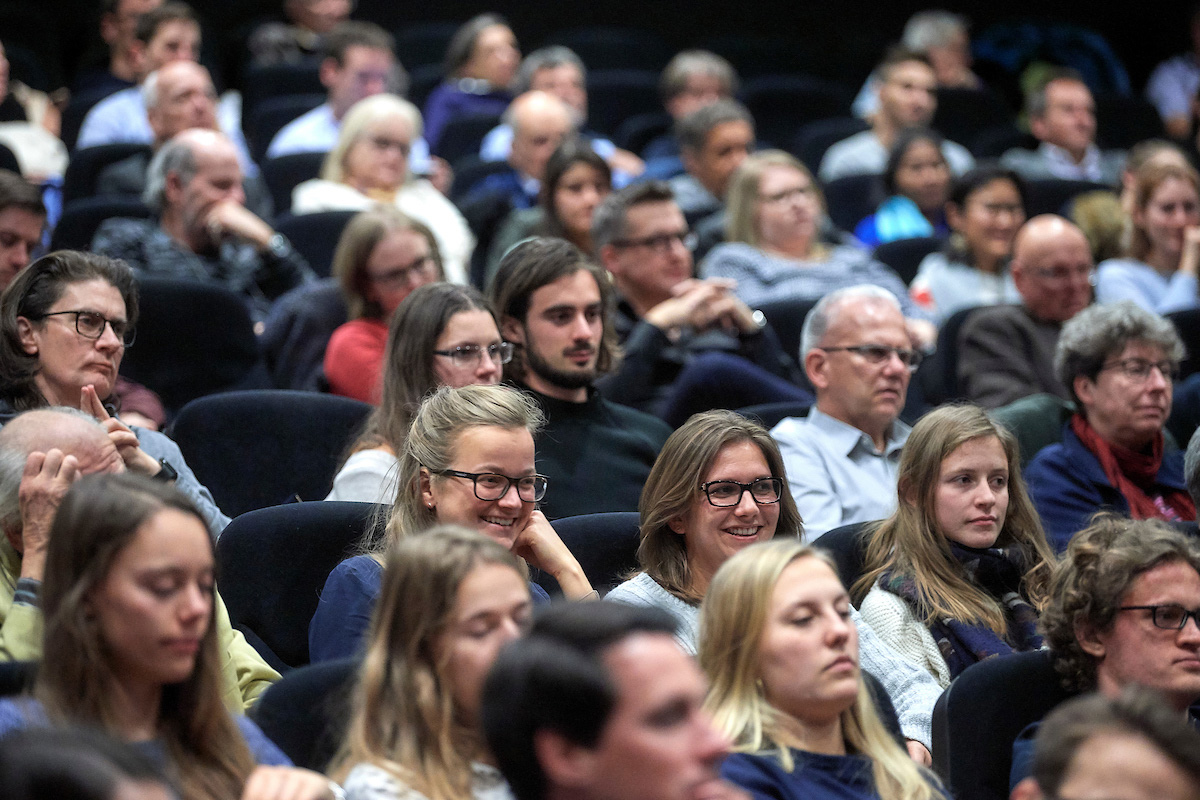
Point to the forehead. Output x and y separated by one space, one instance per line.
779 176
556 74
1064 92
808 579
648 669
1171 581
921 150
732 131
866 317
494 36
187 76
360 57
217 156
912 72
22 221
93 295
174 30
577 289
388 124
644 217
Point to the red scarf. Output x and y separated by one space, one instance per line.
1134 475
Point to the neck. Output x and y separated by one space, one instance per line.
989 264
135 707
1162 263
122 66
53 396
877 433
542 386
799 248
641 303
885 131
1075 155
823 737
172 224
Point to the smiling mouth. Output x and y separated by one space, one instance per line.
503 522
744 533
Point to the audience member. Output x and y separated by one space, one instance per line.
357 62
576 179
985 210
42 452
1118 614
906 100
1163 256
370 165
1158 151
916 181
79 764
781 650
1119 362
958 572
449 600
132 642
1062 116
691 80
554 306
202 230
301 36
1191 468
22 224
440 335
714 140
692 522
66 320
178 96
20 103
118 29
601 704
843 459
540 122
667 321
1007 352
1131 746
774 250
481 61
468 460
1173 84
557 70
169 33
944 38
382 256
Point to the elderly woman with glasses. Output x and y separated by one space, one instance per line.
369 166
1119 362
468 460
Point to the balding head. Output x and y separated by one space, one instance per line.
540 121
179 96
1052 268
66 429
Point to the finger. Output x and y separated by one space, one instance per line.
34 462
123 440
69 470
90 402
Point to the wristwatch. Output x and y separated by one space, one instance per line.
278 245
167 474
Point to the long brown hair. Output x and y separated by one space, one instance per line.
910 543
404 718
98 518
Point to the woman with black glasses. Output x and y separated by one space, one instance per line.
468 460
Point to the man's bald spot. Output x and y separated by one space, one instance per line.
535 106
202 140
71 431
1043 230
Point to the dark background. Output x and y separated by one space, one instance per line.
50 39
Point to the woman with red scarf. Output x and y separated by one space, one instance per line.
1119 362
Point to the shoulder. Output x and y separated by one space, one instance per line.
358 570
640 590
157 444
369 782
640 421
358 333
798 432
18 713
317 195
262 749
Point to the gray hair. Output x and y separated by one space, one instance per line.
823 314
934 28
693 130
15 446
1100 332
175 156
695 62
149 90
1035 101
610 221
551 57
1191 467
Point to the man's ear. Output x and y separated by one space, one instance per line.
1089 640
608 259
26 334
565 763
1037 126
173 188
815 361
328 72
512 330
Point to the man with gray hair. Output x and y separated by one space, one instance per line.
203 230
690 81
558 70
842 460
714 140
42 452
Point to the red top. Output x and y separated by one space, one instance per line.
354 359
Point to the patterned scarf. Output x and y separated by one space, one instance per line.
1135 475
997 571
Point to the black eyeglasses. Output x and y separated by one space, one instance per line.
468 355
878 353
402 276
90 325
493 485
662 242
724 494
1171 617
1138 369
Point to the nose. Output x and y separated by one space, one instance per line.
581 328
18 256
487 368
1190 632
196 603
985 496
108 338
746 506
839 628
510 498
1157 379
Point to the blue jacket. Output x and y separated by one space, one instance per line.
1068 486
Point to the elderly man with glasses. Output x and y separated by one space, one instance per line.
1007 352
1119 362
842 460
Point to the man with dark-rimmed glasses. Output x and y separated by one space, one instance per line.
842 459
